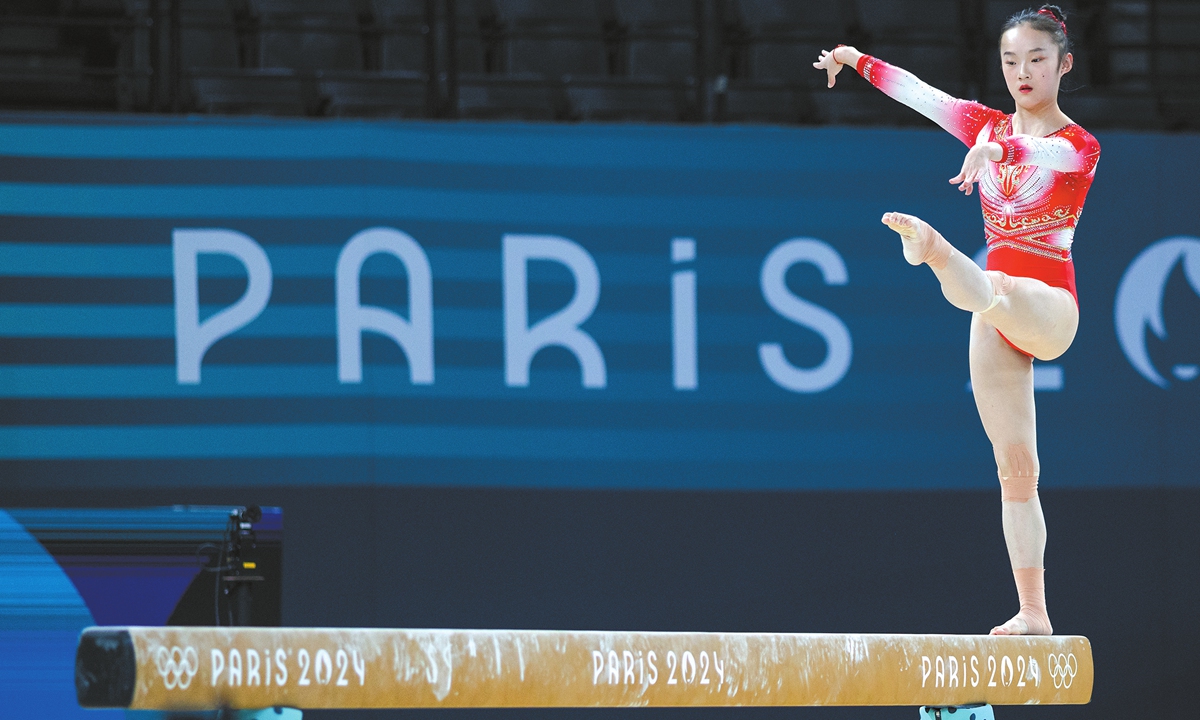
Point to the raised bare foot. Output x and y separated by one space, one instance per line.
1023 624
922 244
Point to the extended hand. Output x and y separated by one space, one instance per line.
975 165
827 63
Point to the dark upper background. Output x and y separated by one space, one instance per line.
694 61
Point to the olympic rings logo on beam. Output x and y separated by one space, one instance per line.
1063 669
177 667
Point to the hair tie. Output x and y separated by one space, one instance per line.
1061 24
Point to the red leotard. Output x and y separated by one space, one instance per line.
1032 198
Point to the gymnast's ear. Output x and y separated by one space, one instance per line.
1068 62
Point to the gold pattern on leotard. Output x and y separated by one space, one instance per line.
1017 210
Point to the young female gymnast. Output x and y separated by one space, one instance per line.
1034 168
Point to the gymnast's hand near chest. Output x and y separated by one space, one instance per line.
975 165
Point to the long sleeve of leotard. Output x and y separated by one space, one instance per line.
1070 150
963 119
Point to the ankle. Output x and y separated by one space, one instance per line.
1037 622
937 249
1031 590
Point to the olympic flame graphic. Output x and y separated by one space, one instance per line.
1140 299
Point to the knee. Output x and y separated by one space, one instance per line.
1018 470
1002 283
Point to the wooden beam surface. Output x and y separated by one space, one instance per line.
206 668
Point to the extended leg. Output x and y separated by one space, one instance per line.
1040 319
963 283
1002 380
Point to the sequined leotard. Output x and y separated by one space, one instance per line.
1032 198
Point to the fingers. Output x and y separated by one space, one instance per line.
829 64
967 177
974 166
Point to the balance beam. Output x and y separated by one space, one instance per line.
204 668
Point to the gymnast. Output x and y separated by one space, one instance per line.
1034 168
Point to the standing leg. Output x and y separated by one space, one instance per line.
1002 380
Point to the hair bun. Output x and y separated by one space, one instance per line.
1058 13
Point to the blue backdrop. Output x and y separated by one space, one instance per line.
703 308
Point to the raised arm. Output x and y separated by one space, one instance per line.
961 118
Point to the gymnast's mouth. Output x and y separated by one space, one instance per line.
1025 89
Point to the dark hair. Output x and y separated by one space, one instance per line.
1049 19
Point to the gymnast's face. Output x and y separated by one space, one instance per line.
1032 66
